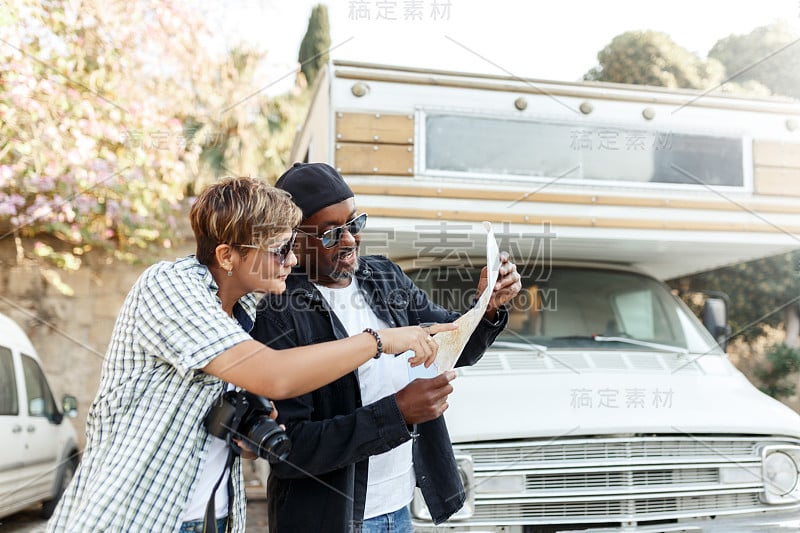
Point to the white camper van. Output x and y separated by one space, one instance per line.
606 406
39 451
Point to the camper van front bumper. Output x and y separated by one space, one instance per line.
774 523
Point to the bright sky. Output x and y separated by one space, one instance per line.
556 40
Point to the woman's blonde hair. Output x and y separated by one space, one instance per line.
240 211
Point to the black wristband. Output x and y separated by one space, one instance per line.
374 333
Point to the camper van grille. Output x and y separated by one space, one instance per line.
651 479
615 510
653 449
615 479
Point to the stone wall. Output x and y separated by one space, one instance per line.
70 333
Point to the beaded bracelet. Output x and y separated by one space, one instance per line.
378 340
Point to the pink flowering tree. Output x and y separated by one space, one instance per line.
112 112
93 96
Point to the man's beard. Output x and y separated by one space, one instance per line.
344 273
341 274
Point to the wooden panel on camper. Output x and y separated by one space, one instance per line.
776 154
776 168
777 181
375 128
384 159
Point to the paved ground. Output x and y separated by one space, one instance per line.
25 522
29 521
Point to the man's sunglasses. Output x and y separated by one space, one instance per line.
331 237
282 253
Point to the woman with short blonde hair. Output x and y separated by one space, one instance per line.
240 210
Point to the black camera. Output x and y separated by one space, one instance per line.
245 416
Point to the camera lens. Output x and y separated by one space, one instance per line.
272 442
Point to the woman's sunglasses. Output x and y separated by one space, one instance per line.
331 237
282 253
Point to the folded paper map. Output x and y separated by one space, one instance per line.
452 343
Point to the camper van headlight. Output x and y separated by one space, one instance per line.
420 511
780 473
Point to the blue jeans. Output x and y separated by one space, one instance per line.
196 526
396 522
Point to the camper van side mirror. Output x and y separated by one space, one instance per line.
69 405
715 319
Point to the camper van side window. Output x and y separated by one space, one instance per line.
40 400
8 384
488 146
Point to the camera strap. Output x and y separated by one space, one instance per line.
210 518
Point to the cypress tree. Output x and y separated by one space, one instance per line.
316 43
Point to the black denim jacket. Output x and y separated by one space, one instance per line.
321 487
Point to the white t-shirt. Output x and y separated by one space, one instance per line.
391 480
212 469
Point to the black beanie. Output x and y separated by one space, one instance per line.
314 186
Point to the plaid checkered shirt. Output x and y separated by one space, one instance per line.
146 443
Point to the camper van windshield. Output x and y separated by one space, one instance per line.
581 308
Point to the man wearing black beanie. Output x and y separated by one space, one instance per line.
354 464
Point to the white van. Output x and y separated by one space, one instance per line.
39 451
606 405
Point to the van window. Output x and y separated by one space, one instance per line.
8 384
40 399
636 313
476 145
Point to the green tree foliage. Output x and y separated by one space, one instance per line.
759 291
254 133
781 361
316 43
769 55
280 119
653 58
